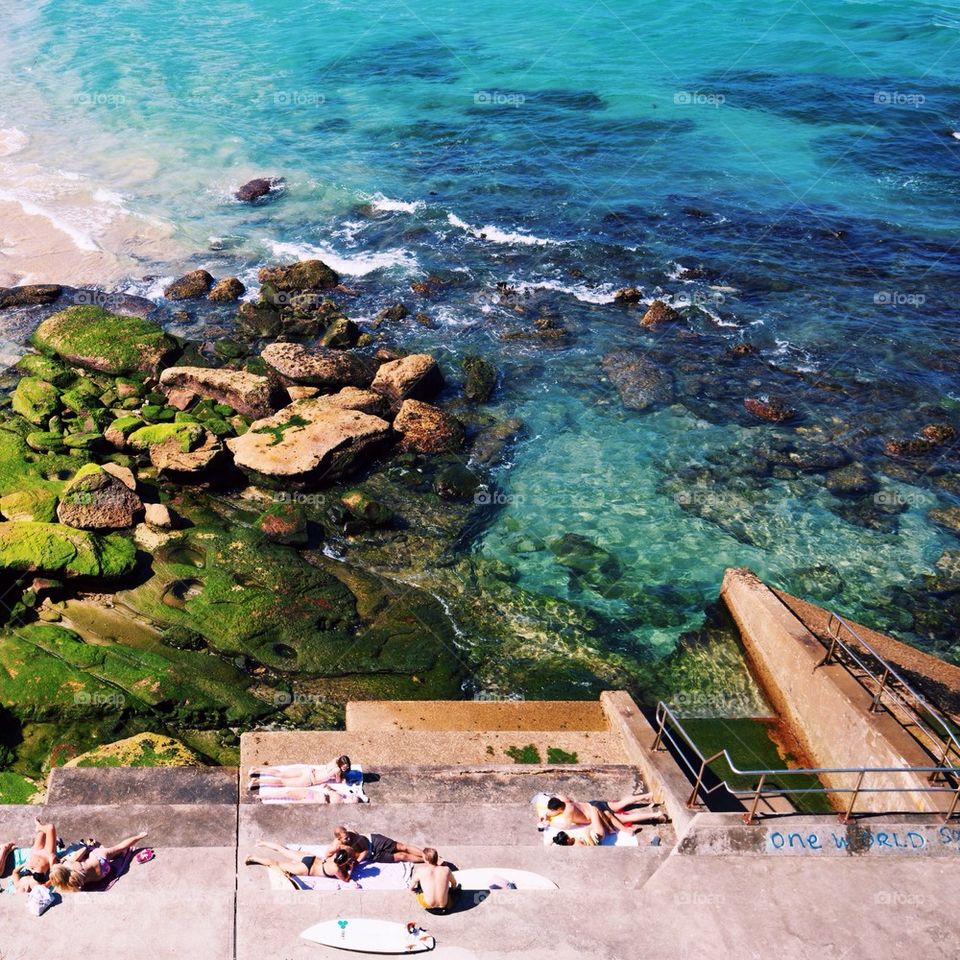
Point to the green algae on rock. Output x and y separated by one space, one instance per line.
35 400
52 548
141 750
96 339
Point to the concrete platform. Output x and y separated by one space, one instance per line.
367 716
121 785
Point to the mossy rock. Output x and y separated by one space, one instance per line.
284 523
46 368
52 548
36 505
363 507
188 435
35 400
142 750
45 441
96 339
83 396
480 378
92 440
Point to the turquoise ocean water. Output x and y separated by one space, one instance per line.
801 154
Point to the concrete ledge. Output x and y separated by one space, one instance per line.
827 709
141 785
660 772
385 715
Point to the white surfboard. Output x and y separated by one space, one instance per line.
370 936
492 878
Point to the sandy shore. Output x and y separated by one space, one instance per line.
36 248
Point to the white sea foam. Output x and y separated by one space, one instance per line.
81 239
12 141
354 265
496 235
387 205
582 292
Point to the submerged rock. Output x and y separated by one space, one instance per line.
627 296
425 428
363 507
480 379
284 522
416 377
585 559
191 286
30 295
247 393
308 443
96 500
95 339
948 517
326 369
641 382
772 409
259 188
853 479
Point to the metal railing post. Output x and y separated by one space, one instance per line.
845 817
953 805
751 815
879 694
692 802
657 744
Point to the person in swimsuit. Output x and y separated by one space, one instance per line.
89 865
320 793
375 848
433 883
35 870
300 775
336 867
602 817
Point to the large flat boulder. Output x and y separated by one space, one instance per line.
308 443
306 275
111 343
326 369
425 428
249 394
641 382
95 499
58 550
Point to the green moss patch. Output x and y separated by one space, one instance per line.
53 548
188 435
35 400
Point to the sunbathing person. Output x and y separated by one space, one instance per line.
602 817
375 848
89 865
319 793
433 883
336 867
301 774
36 867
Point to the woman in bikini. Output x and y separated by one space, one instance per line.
39 862
300 775
336 867
89 865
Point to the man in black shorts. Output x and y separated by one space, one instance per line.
376 848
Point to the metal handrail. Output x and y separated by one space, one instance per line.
699 771
916 707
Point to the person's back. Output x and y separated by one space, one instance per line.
432 882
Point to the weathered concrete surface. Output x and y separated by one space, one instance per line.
383 715
516 783
932 677
72 786
422 746
827 709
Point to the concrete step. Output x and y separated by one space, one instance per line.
465 784
121 785
180 906
167 825
424 747
369 716
439 825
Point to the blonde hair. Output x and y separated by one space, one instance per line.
67 879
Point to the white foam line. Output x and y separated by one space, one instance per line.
496 235
80 239
358 265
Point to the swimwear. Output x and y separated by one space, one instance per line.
381 849
451 899
308 862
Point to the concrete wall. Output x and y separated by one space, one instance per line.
827 709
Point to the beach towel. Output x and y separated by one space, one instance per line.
370 876
20 855
353 785
622 839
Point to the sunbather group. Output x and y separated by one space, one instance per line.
48 863
432 880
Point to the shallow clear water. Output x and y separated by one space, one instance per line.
801 154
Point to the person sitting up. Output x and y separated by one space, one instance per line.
89 865
375 848
433 883
35 870
301 774
338 866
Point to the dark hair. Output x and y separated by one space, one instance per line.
561 839
343 762
555 803
341 857
430 855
